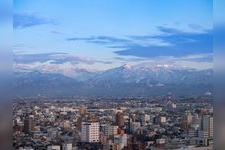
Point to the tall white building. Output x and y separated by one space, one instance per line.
211 127
90 131
207 125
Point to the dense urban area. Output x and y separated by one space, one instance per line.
113 123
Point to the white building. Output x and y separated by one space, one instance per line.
110 130
161 119
67 146
51 133
144 119
21 148
211 127
53 147
90 131
160 141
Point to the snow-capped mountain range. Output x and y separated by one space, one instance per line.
138 80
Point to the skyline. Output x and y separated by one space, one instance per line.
99 35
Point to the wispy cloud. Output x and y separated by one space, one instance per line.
130 59
21 21
103 40
196 27
199 61
180 44
119 43
168 42
207 57
56 32
169 45
54 58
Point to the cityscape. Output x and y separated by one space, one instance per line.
107 123
112 75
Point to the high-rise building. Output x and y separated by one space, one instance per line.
134 126
29 124
79 123
82 110
196 121
110 130
170 105
144 118
187 121
120 119
211 126
90 131
207 125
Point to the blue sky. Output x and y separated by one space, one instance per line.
114 32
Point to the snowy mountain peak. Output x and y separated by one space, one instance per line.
126 66
164 65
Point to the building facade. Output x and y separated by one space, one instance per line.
90 131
